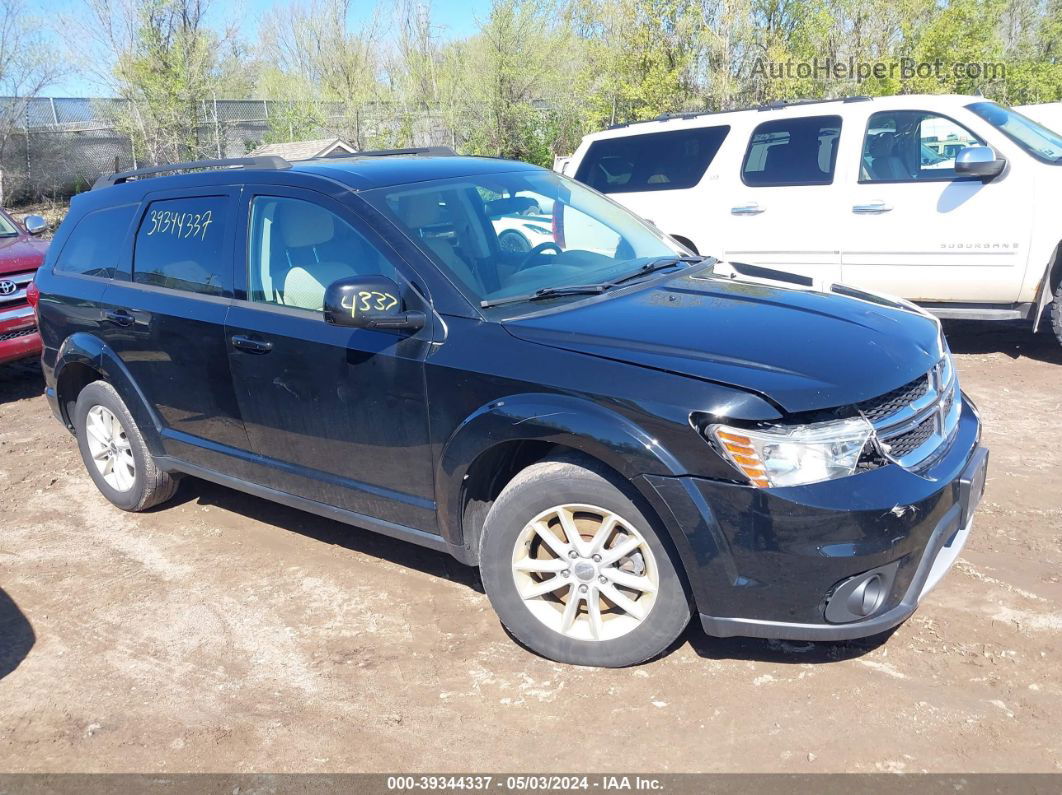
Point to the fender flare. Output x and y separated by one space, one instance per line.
579 424
87 349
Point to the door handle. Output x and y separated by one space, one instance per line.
752 208
872 208
119 317
251 345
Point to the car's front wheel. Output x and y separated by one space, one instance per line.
114 452
1056 314
575 569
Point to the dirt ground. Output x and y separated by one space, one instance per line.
225 633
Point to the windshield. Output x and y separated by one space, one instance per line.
7 229
511 234
1034 138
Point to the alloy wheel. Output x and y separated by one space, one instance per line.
585 572
110 448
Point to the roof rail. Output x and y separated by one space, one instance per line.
271 162
775 105
445 151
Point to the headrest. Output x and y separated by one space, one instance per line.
880 145
420 209
304 224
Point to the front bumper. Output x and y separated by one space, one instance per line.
767 562
19 338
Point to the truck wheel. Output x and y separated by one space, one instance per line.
1056 314
576 571
114 452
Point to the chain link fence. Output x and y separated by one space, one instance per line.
57 147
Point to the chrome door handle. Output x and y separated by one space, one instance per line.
872 208
752 208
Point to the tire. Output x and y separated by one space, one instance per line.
1056 314
134 482
514 242
517 560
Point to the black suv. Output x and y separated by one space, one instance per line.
616 432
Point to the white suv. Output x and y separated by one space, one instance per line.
948 201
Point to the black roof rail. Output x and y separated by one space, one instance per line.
791 103
775 105
444 151
266 162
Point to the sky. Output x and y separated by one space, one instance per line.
452 19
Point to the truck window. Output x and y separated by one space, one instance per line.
912 146
800 151
181 244
652 161
92 248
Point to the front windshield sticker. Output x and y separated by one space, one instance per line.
185 225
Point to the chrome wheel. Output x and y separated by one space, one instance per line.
110 449
585 572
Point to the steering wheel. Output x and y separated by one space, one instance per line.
540 248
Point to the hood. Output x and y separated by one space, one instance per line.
21 254
803 349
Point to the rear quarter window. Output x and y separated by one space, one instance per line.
651 161
181 244
93 247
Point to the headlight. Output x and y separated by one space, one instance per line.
795 455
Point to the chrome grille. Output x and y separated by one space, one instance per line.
915 422
15 285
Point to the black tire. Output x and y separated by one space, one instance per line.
571 480
1056 314
151 486
514 242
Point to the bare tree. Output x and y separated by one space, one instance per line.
27 67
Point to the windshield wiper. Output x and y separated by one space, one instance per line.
549 292
657 265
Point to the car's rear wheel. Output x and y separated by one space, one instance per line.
1056 314
114 452
576 570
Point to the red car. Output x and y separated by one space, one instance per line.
21 253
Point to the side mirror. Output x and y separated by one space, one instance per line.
979 161
369 302
35 224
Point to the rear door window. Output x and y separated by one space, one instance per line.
801 151
652 161
95 243
183 244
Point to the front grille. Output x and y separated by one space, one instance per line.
14 335
13 289
907 443
888 404
915 423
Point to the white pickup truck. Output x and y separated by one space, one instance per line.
949 201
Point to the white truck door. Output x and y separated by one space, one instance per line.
915 229
783 209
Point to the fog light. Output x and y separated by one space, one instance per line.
867 597
862 595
